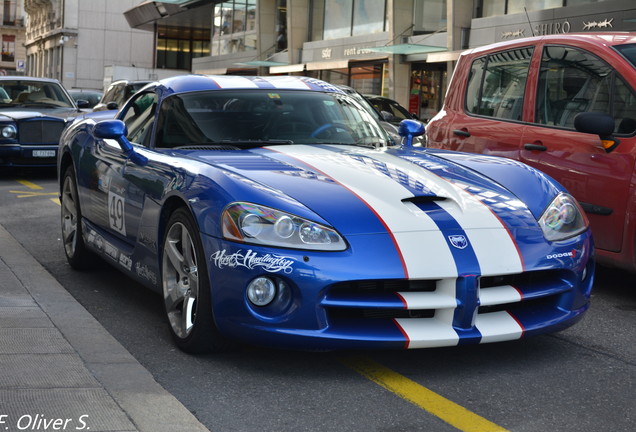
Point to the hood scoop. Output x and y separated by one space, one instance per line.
424 199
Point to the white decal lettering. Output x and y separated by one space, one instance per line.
269 262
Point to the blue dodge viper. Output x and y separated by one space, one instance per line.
277 211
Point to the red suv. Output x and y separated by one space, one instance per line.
565 104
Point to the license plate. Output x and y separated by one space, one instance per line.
44 153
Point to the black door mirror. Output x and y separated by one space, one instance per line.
600 124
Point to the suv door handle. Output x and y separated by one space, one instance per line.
539 147
461 133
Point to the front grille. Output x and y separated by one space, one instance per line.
40 131
362 301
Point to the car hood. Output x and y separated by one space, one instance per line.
361 191
17 114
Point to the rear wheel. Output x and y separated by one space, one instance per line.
77 255
186 287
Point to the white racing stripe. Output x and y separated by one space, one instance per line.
496 251
498 327
421 243
231 82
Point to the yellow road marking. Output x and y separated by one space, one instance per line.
446 410
29 194
29 184
56 201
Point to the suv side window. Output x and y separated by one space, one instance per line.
571 81
497 83
139 118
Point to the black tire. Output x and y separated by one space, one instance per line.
77 254
186 287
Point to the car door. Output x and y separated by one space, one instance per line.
116 199
492 116
571 81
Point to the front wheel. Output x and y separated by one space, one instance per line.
186 287
77 255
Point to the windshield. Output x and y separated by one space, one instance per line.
25 93
628 51
257 116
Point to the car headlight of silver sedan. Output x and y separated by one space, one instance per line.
251 223
563 218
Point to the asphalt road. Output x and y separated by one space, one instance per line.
582 379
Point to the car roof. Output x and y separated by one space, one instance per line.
186 83
27 78
598 39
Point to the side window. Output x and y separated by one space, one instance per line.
139 118
571 81
497 84
624 108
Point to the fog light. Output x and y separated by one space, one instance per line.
261 291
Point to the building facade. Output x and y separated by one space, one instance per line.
12 31
74 40
403 49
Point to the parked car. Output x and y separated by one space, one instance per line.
92 97
390 110
277 211
33 113
117 93
521 98
392 128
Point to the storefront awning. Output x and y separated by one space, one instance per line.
443 56
337 64
259 63
287 68
407 49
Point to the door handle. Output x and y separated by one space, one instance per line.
538 147
461 133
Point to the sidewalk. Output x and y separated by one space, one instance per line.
61 370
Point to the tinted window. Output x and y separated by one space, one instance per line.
571 81
139 117
629 51
497 84
245 116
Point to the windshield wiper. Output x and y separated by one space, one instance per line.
370 142
256 142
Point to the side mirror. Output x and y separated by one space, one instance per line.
600 124
112 105
117 130
410 129
81 103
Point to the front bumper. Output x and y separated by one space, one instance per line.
360 299
16 155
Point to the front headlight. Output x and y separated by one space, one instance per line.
9 132
563 218
251 223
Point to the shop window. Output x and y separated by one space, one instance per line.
427 89
176 47
497 84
